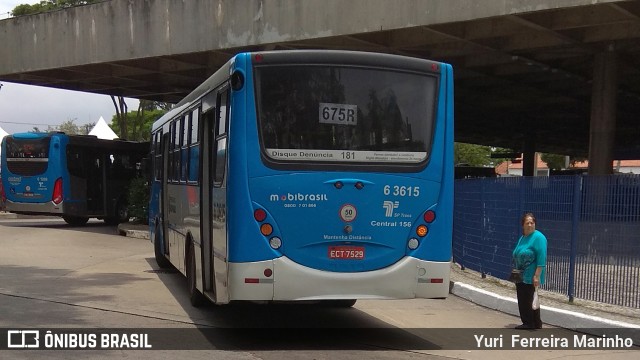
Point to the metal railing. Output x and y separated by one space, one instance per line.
592 225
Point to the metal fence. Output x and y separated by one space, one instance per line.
592 225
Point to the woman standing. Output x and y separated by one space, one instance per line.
530 256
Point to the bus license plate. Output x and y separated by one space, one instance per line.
346 252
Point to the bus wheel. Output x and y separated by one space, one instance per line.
196 298
75 220
121 215
161 260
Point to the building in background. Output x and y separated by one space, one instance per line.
514 168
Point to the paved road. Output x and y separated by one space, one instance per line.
56 276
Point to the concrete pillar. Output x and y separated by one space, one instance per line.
529 156
602 129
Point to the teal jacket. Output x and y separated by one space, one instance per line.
529 253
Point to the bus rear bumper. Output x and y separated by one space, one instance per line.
48 208
407 279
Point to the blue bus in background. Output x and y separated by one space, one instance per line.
75 177
313 175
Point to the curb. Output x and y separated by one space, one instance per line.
138 234
557 317
135 234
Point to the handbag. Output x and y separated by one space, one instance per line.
515 276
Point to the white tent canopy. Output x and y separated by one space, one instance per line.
102 130
2 134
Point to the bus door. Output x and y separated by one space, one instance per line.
95 181
214 209
165 144
208 117
78 191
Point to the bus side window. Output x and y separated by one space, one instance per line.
221 139
120 166
184 149
175 151
194 156
75 162
157 166
172 131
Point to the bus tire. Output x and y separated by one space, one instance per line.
161 260
121 214
75 220
195 296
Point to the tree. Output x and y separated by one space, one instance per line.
120 118
476 155
68 127
138 123
48 5
553 161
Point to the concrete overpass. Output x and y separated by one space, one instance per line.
557 76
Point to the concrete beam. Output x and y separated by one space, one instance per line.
122 30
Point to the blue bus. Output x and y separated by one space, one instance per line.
75 177
308 175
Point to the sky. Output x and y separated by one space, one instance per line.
23 107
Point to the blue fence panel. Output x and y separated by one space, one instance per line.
467 218
592 225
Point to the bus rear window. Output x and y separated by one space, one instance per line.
313 113
27 157
28 148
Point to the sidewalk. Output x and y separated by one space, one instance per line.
500 295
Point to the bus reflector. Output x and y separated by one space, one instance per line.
430 281
57 192
259 215
251 280
275 243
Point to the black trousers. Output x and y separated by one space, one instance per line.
528 316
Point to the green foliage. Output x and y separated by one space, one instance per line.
138 199
138 126
138 123
553 161
71 128
48 5
476 155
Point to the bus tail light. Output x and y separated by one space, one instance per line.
57 192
